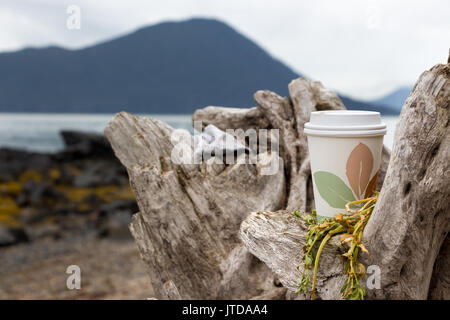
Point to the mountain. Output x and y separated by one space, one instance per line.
354 104
171 67
395 99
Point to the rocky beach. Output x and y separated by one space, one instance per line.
66 208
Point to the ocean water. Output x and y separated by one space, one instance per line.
40 132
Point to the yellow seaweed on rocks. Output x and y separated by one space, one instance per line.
8 211
73 170
60 196
10 188
30 175
54 174
105 193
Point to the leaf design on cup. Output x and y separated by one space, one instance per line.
359 166
371 186
332 189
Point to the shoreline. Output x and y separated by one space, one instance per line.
68 207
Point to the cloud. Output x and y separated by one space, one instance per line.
361 48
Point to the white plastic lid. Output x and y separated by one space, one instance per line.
345 123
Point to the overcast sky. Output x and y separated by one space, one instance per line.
361 48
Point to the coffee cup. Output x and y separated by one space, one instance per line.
345 152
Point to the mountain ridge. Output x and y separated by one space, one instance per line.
394 99
170 67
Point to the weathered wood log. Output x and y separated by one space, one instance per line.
412 217
410 221
187 227
289 116
171 291
440 280
231 118
275 237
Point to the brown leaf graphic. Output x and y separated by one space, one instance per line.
371 186
359 166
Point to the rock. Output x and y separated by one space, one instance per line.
81 144
43 230
114 218
92 176
14 162
29 215
59 195
38 194
10 236
128 205
6 236
116 225
100 173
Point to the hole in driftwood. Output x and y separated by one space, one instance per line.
407 188
403 270
277 283
421 174
435 150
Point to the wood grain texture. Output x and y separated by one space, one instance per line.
412 217
186 230
405 235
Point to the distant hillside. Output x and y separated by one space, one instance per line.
172 67
395 99
361 105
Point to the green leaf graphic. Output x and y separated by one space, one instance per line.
332 189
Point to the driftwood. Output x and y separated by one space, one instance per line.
411 219
289 116
187 230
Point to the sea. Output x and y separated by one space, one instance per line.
41 132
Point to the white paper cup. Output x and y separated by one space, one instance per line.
345 152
